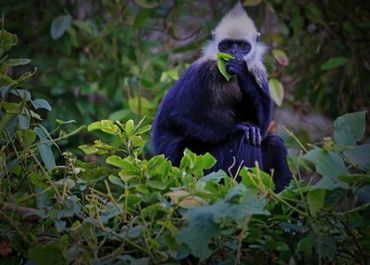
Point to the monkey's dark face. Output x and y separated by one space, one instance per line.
236 48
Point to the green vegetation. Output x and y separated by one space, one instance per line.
88 192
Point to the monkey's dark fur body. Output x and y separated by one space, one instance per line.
202 111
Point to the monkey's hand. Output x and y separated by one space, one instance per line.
251 132
240 69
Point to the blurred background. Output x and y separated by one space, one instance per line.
116 59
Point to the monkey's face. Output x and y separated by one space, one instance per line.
236 48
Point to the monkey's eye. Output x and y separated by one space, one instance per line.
224 45
243 45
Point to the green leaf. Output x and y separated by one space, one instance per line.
124 163
26 137
25 76
142 17
89 149
363 194
239 204
46 154
60 225
221 59
252 2
83 25
119 115
129 127
61 122
276 91
46 255
106 126
155 184
41 104
356 178
200 231
23 94
16 62
359 156
23 121
330 165
11 107
333 63
256 179
148 3
140 105
7 40
208 161
315 200
306 245
116 180
314 13
59 25
280 57
213 177
350 128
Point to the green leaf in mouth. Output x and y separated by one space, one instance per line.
222 58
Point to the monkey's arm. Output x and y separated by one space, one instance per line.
187 108
259 96
204 127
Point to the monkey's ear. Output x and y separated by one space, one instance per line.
258 36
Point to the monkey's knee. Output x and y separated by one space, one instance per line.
275 159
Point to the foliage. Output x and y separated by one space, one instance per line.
327 51
125 209
116 205
117 58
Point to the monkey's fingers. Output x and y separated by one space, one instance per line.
247 136
259 138
254 135
231 69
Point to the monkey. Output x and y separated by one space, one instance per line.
229 119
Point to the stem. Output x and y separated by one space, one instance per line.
289 205
59 138
290 133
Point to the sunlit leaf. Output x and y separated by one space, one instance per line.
7 40
16 62
315 200
106 126
222 58
184 199
276 91
280 57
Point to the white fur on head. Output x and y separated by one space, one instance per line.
236 24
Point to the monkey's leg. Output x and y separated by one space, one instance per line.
233 155
275 157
